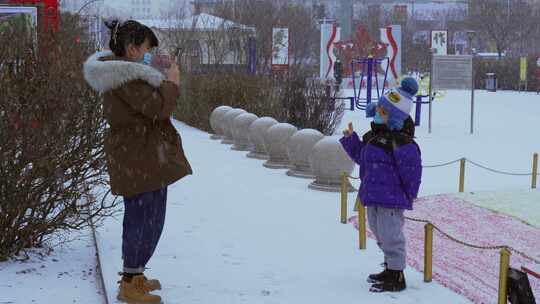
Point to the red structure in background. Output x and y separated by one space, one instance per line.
361 46
49 12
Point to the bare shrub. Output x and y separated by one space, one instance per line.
51 139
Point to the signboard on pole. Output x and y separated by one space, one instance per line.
523 69
391 35
23 16
439 42
330 34
28 13
452 72
280 49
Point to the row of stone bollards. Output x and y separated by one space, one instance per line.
307 153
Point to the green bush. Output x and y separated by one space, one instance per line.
290 99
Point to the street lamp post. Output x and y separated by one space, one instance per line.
471 35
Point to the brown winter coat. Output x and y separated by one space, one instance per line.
144 151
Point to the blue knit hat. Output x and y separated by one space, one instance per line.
397 103
409 85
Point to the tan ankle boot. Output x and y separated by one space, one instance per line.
149 284
152 284
135 292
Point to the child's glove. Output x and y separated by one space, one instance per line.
371 108
349 131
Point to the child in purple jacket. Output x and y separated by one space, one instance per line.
390 171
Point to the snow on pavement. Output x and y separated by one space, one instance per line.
237 232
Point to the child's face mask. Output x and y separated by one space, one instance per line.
378 119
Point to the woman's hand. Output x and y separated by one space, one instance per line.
349 131
173 74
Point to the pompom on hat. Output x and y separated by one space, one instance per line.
398 102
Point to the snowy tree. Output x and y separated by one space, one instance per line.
504 23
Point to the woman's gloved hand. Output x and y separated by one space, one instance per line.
173 73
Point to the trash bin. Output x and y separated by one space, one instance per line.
491 82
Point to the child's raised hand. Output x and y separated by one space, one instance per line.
349 131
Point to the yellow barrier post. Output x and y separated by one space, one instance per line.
361 225
534 170
462 175
356 204
428 252
503 276
344 189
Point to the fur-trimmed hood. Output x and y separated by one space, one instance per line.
107 75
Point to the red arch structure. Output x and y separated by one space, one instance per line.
49 14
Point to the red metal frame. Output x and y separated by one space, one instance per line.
50 13
533 273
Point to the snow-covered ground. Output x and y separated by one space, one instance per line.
237 232
522 204
67 275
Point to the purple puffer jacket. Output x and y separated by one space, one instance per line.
380 172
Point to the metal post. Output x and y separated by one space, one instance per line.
462 175
361 225
356 98
368 85
534 170
472 94
344 187
418 110
430 99
428 252
503 275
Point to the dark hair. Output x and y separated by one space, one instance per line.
130 32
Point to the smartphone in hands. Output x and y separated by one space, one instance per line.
161 61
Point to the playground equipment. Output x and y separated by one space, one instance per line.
368 69
418 109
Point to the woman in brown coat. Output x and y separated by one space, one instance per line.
144 151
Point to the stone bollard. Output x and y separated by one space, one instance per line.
276 139
215 121
227 125
299 149
240 131
256 137
328 161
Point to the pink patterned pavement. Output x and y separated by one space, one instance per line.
471 272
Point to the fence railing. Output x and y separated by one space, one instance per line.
505 251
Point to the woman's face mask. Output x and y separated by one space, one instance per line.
139 53
147 58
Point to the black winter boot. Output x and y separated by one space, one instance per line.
378 277
393 282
